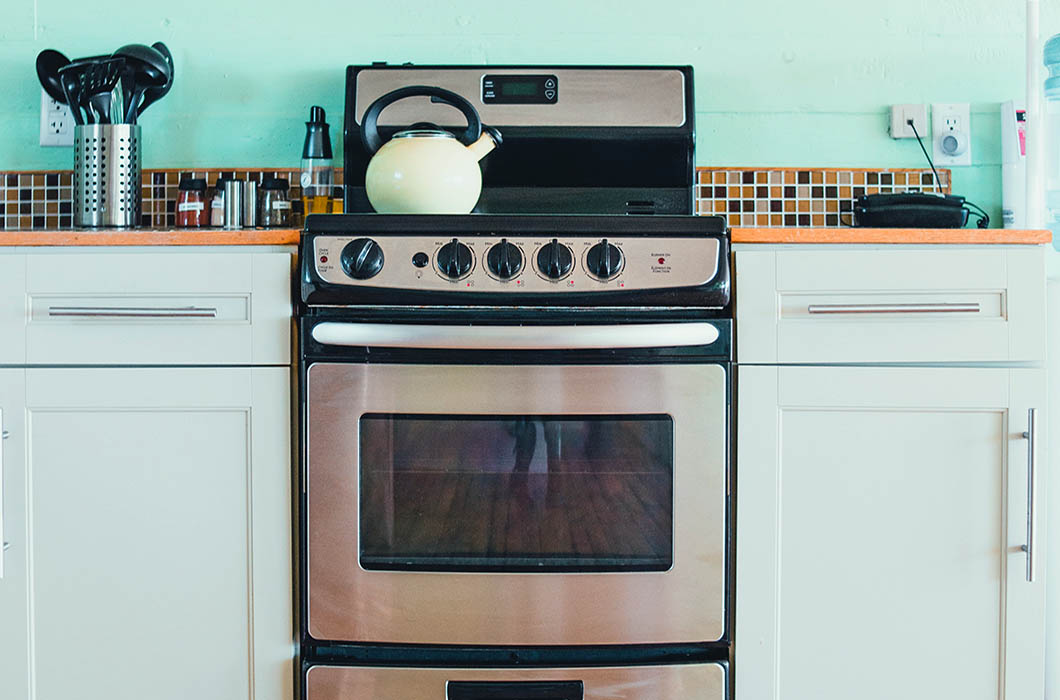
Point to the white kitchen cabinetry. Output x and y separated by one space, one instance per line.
148 507
881 510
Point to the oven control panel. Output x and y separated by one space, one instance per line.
492 263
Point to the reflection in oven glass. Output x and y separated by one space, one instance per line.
516 493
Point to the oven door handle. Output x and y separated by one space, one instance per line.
587 337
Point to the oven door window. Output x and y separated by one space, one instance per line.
529 493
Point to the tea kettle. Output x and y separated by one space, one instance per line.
424 169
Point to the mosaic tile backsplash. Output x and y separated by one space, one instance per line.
766 198
750 197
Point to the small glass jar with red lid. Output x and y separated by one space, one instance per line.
192 209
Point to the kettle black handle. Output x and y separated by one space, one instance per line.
370 127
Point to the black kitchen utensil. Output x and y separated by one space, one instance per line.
152 71
154 94
72 77
99 83
49 61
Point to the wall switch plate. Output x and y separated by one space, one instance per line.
56 122
900 116
951 133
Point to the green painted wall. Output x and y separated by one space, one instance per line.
777 82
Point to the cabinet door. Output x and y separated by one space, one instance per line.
14 598
160 534
880 518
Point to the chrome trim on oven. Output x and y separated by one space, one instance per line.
632 335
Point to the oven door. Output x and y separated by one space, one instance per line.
516 504
685 682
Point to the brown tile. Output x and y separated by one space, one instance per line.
719 178
761 177
51 208
776 192
789 205
761 205
761 219
732 177
846 178
831 205
844 193
817 206
762 192
859 178
38 180
803 192
818 220
900 178
831 177
747 192
776 177
817 177
803 205
776 219
789 177
872 190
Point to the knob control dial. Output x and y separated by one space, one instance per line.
454 259
505 260
555 260
604 260
362 258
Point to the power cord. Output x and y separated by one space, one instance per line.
984 218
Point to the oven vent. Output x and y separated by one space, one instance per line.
640 206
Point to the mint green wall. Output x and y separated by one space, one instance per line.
779 82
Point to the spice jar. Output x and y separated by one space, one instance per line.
274 204
192 211
217 204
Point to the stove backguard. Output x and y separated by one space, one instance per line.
607 140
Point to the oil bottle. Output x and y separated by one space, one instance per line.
317 173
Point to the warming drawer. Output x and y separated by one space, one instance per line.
683 682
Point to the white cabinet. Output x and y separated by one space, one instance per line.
158 536
880 518
147 506
14 595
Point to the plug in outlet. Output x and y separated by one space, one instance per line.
900 116
951 134
56 122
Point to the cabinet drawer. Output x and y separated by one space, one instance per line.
117 308
890 305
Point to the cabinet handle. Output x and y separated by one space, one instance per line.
1032 491
132 311
7 546
943 308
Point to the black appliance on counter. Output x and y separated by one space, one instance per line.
577 139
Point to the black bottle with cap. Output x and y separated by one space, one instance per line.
317 172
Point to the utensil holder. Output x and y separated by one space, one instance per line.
107 176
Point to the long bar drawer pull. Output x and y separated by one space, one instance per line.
943 308
1030 435
132 311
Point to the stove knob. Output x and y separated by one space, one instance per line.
454 259
362 258
555 260
505 260
604 260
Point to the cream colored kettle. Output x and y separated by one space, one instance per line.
425 169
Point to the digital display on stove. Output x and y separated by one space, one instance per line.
520 89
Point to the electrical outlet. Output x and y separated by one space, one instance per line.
900 116
56 122
951 133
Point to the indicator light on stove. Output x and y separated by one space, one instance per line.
662 261
323 258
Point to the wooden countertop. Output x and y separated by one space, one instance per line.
204 237
890 235
261 236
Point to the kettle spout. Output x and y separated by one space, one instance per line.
490 139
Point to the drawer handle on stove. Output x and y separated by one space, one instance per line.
514 690
635 335
132 311
943 308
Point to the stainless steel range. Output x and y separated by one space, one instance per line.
515 457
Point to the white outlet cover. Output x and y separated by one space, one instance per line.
951 133
56 122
